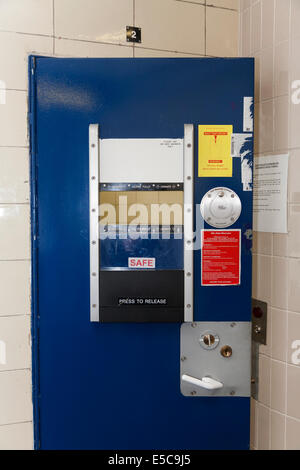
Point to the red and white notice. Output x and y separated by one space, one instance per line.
221 260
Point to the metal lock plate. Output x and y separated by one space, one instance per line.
220 207
259 321
229 362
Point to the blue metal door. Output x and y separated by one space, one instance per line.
117 385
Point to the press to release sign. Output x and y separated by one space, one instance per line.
221 258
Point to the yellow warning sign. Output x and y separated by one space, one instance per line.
214 147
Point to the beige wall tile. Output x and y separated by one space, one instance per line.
263 427
278 386
268 23
282 69
256 28
161 23
294 172
294 285
140 52
292 434
14 175
282 18
221 32
246 35
13 118
293 387
266 74
266 129
279 334
295 18
281 123
95 20
14 51
262 277
15 334
15 396
16 436
15 232
280 244
71 48
294 137
27 16
294 338
257 94
294 230
14 279
262 243
264 380
233 4
279 296
277 431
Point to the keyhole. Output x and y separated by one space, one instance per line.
208 340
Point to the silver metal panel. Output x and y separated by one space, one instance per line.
188 173
94 220
197 361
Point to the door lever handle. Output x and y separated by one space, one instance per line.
206 382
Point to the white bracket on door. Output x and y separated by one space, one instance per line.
94 220
188 180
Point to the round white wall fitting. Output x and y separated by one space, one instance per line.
220 207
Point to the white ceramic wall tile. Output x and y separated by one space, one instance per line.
293 387
16 436
294 65
246 33
263 427
282 20
295 19
279 334
14 229
294 172
279 296
94 20
13 118
139 52
268 23
15 341
262 277
294 137
15 396
266 74
266 128
221 32
233 4
175 26
294 230
281 123
294 285
282 68
264 380
27 16
256 28
257 57
277 430
14 288
292 434
14 175
14 51
71 48
278 386
294 338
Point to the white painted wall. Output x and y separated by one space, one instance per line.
71 28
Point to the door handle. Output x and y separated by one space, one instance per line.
206 382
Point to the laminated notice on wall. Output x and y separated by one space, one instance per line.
221 258
215 150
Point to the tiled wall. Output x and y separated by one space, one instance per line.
269 31
95 28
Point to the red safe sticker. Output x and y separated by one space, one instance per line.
221 258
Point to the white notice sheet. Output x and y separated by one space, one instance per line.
270 194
